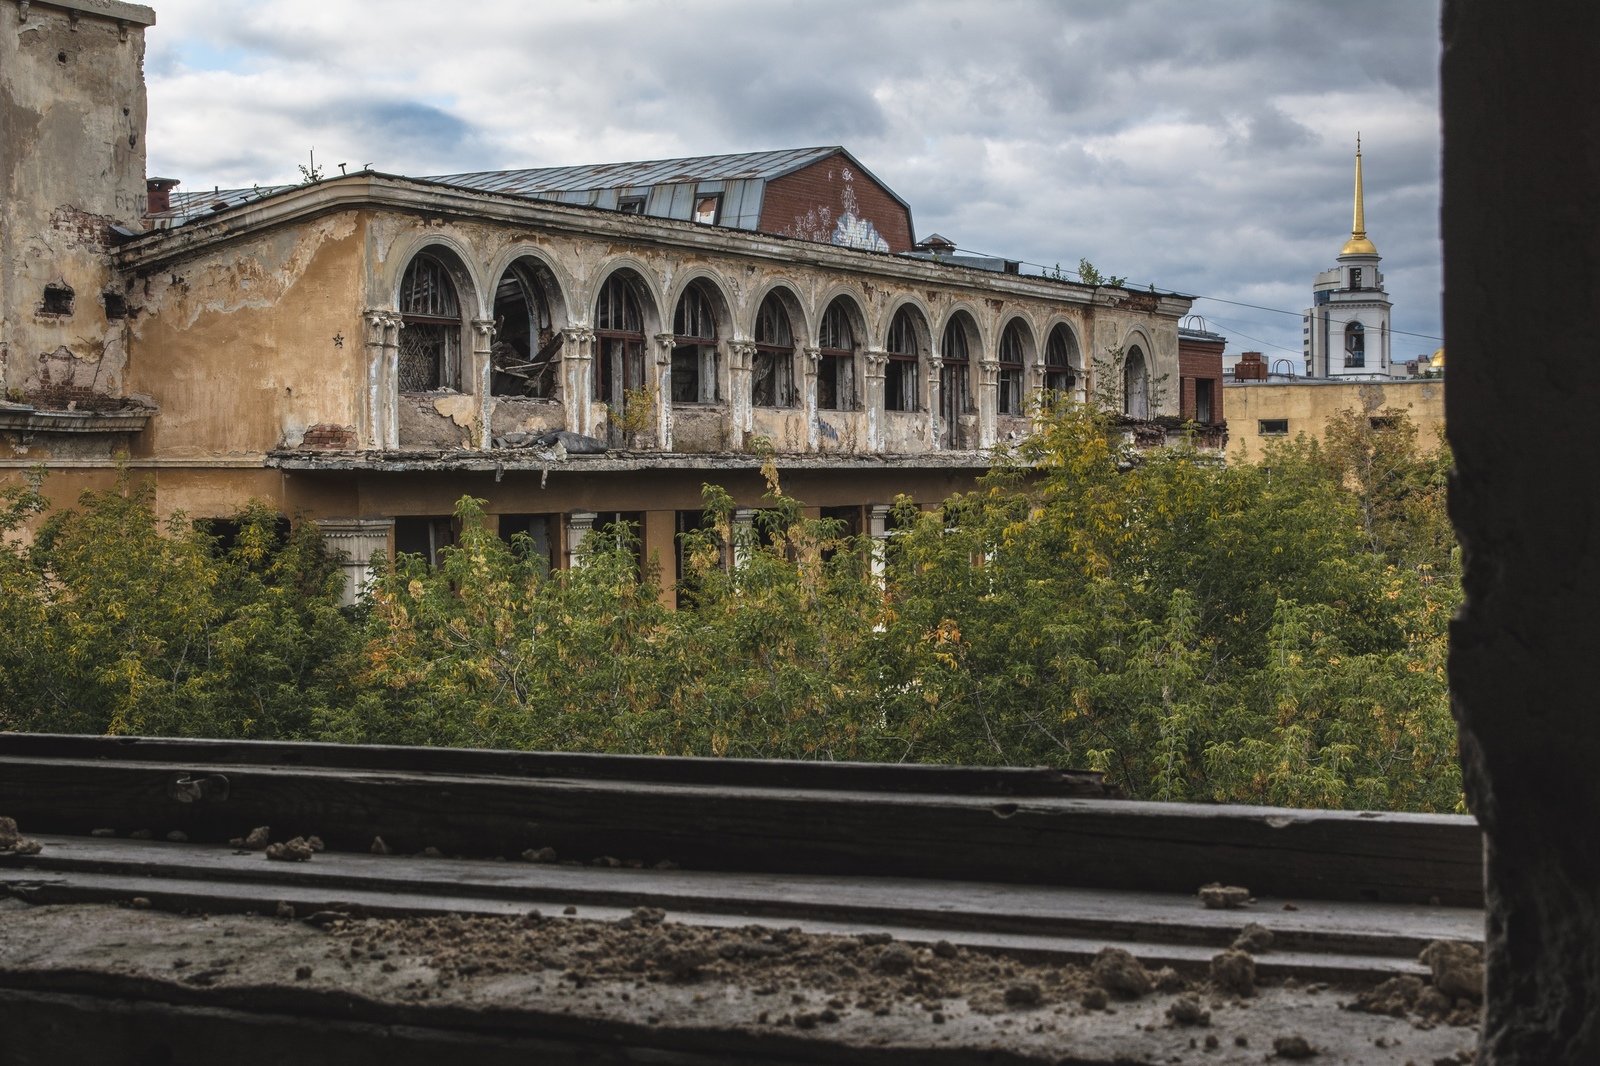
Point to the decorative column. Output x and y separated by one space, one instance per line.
354 541
878 530
579 525
483 374
744 522
988 402
872 396
808 358
741 398
935 397
577 364
378 413
661 390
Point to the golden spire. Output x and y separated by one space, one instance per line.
1358 243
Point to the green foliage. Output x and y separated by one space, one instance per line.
1089 275
1269 633
119 623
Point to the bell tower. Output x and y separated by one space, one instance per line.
1346 329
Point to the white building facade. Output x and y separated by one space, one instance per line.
1346 329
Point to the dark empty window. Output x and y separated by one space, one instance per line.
772 367
57 300
621 529
1204 393
116 305
535 536
1010 397
1060 360
694 351
527 346
1355 345
424 535
430 334
836 360
900 371
1273 427
955 398
619 342
631 205
1355 277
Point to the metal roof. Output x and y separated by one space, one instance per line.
743 166
186 207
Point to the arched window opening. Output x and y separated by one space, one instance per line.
694 352
1135 385
619 338
836 360
900 372
772 369
955 394
527 346
1355 345
1060 362
1010 398
430 335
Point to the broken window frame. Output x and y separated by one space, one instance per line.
1355 345
955 379
436 532
1060 369
631 205
772 365
1272 427
430 328
619 342
900 390
703 218
521 367
1009 394
836 359
695 370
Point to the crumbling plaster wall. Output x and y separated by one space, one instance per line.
72 160
580 266
247 346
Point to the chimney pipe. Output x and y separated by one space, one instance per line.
158 195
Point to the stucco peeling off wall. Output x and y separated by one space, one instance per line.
235 280
847 229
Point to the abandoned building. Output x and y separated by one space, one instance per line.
366 349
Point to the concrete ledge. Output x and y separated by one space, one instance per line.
32 420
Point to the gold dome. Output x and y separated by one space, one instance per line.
1437 362
1358 245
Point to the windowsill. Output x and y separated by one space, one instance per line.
525 399
696 405
435 392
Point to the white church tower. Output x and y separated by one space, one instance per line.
1346 332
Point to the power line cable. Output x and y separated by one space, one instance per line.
1046 271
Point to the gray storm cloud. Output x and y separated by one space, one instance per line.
1200 147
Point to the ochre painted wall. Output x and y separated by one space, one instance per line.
1309 405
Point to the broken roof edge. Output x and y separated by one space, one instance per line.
370 188
110 10
512 460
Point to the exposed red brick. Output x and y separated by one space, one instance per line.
329 435
809 203
1199 359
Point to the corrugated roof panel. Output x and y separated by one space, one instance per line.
743 165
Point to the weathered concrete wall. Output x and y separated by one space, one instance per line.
250 342
1308 406
72 157
1521 226
246 347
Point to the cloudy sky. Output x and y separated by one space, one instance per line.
1202 147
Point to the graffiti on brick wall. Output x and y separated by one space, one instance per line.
846 228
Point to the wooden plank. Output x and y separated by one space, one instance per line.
1353 928
1115 844
866 777
1318 962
